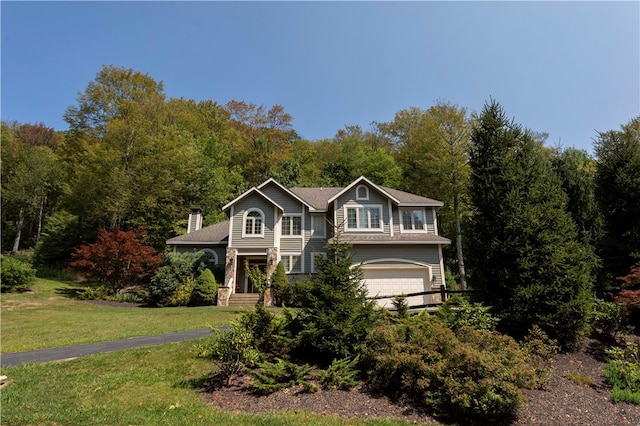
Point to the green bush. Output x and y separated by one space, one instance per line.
342 374
540 350
233 352
101 292
205 291
471 374
280 288
15 275
274 376
623 373
176 270
183 294
606 317
267 331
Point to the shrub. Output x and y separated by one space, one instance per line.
622 372
474 315
176 270
540 350
629 296
606 317
15 275
275 376
471 374
266 331
205 290
117 258
101 292
183 294
233 352
280 288
341 374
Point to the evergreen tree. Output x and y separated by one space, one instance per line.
336 316
523 251
618 189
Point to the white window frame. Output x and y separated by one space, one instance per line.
313 260
291 234
245 218
358 227
413 230
287 262
366 192
322 220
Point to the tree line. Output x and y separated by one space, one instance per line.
134 157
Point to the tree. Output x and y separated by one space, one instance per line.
133 162
263 137
618 190
336 315
525 258
118 258
433 148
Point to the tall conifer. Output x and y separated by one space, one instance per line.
524 254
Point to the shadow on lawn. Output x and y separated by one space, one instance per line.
69 292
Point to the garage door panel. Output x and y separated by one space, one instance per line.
392 282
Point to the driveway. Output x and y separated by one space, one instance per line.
68 352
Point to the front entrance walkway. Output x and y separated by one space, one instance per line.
69 352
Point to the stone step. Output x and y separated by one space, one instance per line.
243 299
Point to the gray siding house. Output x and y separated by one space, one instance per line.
394 236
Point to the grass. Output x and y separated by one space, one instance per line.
50 317
157 385
578 378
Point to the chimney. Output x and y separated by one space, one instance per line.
195 220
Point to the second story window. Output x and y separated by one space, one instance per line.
292 225
363 217
413 220
253 224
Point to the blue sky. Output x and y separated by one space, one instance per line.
566 68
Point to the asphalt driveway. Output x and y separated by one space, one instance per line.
68 352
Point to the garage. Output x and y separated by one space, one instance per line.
392 280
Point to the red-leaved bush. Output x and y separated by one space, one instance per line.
118 258
629 295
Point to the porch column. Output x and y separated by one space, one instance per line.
272 263
224 291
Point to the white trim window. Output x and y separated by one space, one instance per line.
291 225
362 192
292 263
253 223
363 217
318 226
412 220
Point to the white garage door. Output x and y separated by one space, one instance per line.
395 281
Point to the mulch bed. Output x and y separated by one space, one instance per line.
564 403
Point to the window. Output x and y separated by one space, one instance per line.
413 220
318 226
212 257
253 223
362 217
362 192
292 263
292 225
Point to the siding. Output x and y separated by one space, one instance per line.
423 254
284 200
253 201
290 244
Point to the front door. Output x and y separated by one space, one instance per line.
243 283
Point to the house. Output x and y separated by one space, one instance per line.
394 236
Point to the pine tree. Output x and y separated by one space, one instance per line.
336 315
524 253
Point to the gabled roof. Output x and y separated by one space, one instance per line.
212 234
251 191
279 185
316 197
409 199
364 179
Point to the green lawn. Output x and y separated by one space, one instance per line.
49 317
143 386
